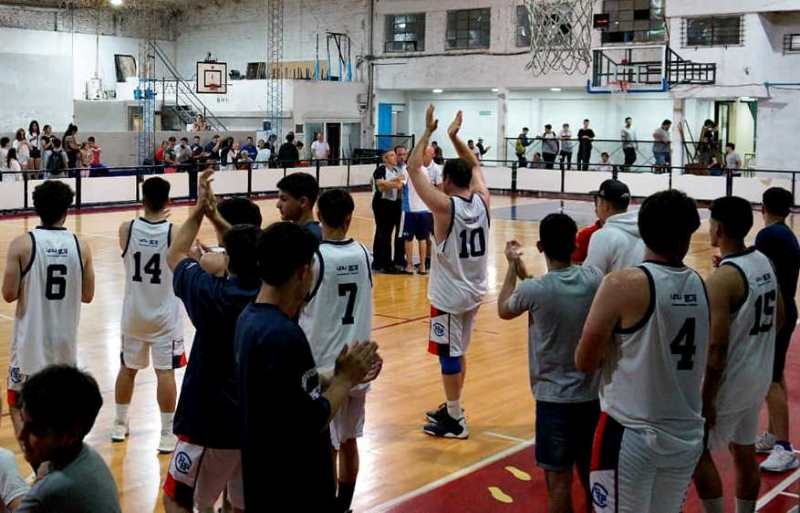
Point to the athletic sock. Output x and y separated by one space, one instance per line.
714 505
122 413
786 445
345 496
745 506
454 409
166 422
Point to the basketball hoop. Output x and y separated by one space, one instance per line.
619 93
561 36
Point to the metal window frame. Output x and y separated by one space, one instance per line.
519 38
391 45
789 45
463 34
713 40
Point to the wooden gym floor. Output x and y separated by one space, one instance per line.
396 457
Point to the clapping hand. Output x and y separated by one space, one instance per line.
455 126
513 251
431 123
358 362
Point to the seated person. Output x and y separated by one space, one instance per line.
59 406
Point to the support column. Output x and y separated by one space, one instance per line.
677 131
502 124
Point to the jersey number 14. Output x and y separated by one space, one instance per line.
152 267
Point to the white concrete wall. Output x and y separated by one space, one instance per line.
695 8
777 130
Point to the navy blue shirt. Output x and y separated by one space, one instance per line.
779 244
208 408
286 443
315 229
251 150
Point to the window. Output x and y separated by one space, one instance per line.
712 31
468 28
634 21
405 33
791 43
523 27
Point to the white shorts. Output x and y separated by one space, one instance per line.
629 476
197 476
450 334
348 423
168 353
740 428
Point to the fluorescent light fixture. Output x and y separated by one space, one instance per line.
495 89
437 91
747 99
115 3
555 89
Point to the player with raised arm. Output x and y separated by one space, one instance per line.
49 272
151 314
746 313
647 329
458 279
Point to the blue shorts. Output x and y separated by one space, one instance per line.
564 434
661 157
417 225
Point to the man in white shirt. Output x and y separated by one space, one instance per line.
320 149
263 155
417 220
733 161
629 143
618 244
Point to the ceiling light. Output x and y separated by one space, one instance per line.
555 89
495 89
747 99
116 3
437 91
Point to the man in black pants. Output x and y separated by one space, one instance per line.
387 182
585 138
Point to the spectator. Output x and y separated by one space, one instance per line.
301 153
5 145
263 155
714 167
243 162
159 156
549 146
287 153
47 131
251 149
60 405
733 161
629 143
23 148
71 146
483 149
96 151
583 238
196 148
618 244
35 140
199 124
272 144
707 142
212 147
565 137
233 155
585 138
604 164
170 155
536 161
320 149
47 148
85 159
276 367
183 153
520 147
12 164
57 162
438 156
387 182
474 149
297 194
661 146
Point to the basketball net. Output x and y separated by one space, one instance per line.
561 36
619 92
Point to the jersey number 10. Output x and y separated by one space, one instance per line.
473 243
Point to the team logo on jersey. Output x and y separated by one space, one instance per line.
438 329
764 279
183 463
599 495
148 242
347 269
310 383
684 299
57 252
14 375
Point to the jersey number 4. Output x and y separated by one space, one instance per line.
55 287
152 267
350 290
683 345
765 306
473 243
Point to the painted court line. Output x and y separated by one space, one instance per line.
3 316
451 477
790 494
777 489
505 437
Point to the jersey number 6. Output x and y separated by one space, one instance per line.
55 287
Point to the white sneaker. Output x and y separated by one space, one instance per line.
167 443
780 460
119 431
765 442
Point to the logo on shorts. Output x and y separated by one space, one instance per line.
14 375
438 329
599 495
183 463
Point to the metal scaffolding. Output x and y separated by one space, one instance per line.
274 59
146 97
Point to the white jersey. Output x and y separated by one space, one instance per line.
652 379
150 310
339 310
751 342
459 279
48 308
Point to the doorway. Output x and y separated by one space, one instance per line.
737 124
333 134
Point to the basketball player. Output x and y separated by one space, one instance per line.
458 279
297 194
617 244
648 331
49 272
338 313
746 310
779 244
151 314
207 459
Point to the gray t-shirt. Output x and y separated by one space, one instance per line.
660 141
557 305
733 160
84 486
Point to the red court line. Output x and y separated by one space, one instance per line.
471 493
400 323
